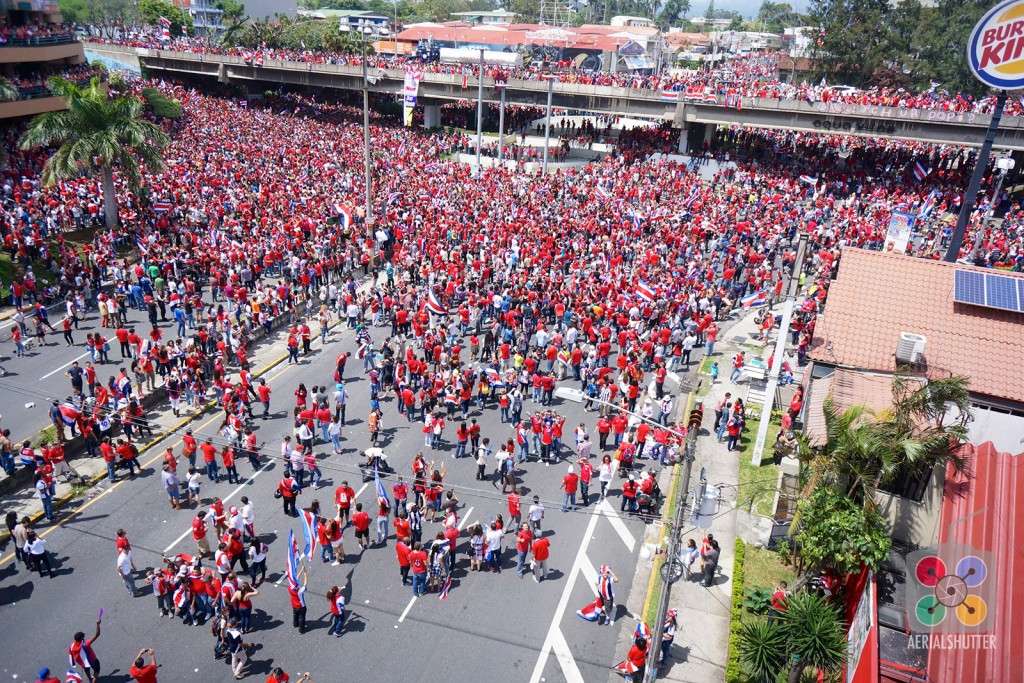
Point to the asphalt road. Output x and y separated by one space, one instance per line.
39 375
491 626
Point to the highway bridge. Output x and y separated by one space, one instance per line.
923 125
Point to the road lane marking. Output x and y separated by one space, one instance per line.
361 489
617 524
465 518
563 602
64 367
225 499
405 612
589 574
565 658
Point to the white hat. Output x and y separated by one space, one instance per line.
571 468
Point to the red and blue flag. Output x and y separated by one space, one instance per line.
645 291
292 567
434 304
758 298
310 531
445 588
591 612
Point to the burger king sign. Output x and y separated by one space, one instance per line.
995 51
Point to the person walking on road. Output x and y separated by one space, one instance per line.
606 589
298 599
541 549
199 533
336 599
125 569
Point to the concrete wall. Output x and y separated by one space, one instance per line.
41 53
915 523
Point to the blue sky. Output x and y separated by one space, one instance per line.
747 8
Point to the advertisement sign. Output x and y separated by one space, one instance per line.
412 86
898 236
995 50
860 628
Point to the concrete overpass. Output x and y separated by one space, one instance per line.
920 125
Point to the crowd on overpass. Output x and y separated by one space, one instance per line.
750 78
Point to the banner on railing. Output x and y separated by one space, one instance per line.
412 86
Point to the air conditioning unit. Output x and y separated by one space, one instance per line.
910 348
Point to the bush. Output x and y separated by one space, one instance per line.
757 600
732 666
162 106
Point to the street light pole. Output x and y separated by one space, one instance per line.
363 35
480 113
501 129
547 123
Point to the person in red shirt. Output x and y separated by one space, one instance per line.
403 551
418 565
361 522
343 497
524 541
570 483
199 533
142 672
541 548
515 510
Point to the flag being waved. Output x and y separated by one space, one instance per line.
310 531
292 567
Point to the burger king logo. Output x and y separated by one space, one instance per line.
995 51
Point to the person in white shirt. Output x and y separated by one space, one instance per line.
248 518
493 538
124 570
35 554
536 514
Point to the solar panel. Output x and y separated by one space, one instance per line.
1001 292
990 290
969 287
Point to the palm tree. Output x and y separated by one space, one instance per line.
865 449
8 93
808 635
97 132
814 633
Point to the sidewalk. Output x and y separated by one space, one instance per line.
701 647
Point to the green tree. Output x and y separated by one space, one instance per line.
709 13
673 12
78 12
810 634
776 16
97 132
940 48
736 23
855 39
234 11
837 533
150 12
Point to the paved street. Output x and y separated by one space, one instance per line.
39 375
496 626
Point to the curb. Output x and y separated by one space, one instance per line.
673 495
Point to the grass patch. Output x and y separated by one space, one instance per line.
9 270
45 436
758 484
762 568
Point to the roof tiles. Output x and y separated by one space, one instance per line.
877 295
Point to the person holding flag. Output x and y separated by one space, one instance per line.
383 509
81 654
635 664
606 590
336 599
297 594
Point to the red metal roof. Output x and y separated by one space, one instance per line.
985 506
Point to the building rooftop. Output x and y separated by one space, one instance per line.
876 296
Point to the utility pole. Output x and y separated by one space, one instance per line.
1005 165
780 350
367 163
547 123
480 113
501 128
956 240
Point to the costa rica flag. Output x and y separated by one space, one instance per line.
642 631
592 611
311 532
602 193
645 291
626 667
920 172
69 413
809 179
291 568
72 677
344 215
434 304
758 298
445 588
382 494
162 207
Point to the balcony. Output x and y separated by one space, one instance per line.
30 107
42 49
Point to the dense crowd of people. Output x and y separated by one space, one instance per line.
485 294
753 77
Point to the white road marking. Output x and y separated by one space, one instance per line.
225 499
361 489
563 602
617 524
565 658
405 612
64 367
465 518
589 574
